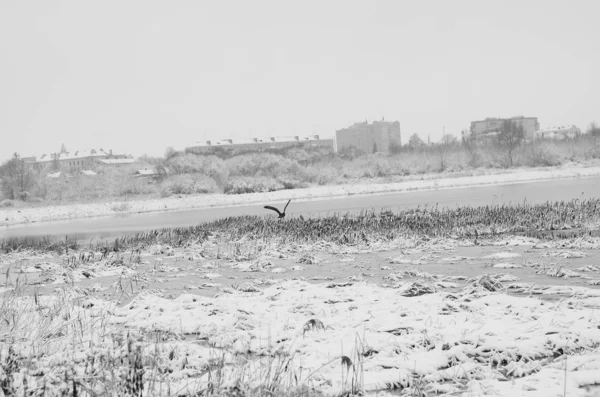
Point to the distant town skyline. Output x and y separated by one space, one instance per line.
140 76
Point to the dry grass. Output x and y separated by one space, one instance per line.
70 343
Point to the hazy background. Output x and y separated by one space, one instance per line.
137 76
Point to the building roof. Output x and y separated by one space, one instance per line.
564 128
88 172
229 142
116 161
46 157
244 142
54 175
504 118
145 171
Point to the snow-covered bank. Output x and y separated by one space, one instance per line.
14 216
331 338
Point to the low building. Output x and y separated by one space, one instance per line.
379 136
562 132
493 126
231 147
59 176
70 161
146 173
116 162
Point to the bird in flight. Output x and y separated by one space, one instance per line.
281 214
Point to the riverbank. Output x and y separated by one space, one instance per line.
407 314
14 216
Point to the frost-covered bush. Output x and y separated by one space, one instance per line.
189 163
242 185
188 184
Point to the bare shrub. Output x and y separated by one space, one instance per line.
322 174
136 186
7 203
189 163
264 164
309 156
541 154
291 183
242 185
188 184
120 207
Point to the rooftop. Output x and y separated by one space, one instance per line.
229 142
145 171
116 161
70 155
558 129
504 118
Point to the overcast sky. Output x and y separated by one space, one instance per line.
138 76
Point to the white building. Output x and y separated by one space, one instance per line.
561 132
73 161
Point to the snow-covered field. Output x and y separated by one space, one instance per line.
508 317
11 216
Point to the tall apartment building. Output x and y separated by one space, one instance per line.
491 126
368 138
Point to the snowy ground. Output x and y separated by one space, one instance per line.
10 216
508 317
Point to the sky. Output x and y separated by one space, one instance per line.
138 76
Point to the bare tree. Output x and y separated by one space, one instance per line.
449 140
443 149
415 142
510 137
55 163
170 153
469 142
16 180
594 129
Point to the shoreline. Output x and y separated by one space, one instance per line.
21 216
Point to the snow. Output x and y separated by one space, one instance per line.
485 339
12 216
419 330
502 255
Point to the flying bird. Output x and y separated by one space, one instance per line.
281 214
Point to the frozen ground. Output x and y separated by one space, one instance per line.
40 214
507 317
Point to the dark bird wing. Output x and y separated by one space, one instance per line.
272 208
288 203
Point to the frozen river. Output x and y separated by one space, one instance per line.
106 227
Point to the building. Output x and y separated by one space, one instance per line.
145 173
115 162
72 161
562 132
231 147
369 138
492 126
